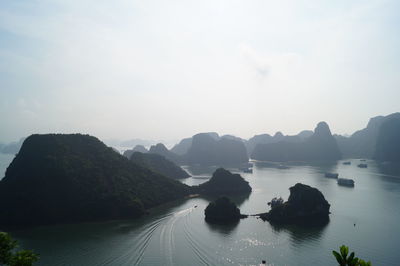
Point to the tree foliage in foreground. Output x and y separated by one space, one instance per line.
10 257
350 260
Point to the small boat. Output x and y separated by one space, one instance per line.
362 165
345 182
281 166
346 163
362 160
331 175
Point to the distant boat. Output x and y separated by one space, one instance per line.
346 163
362 160
362 165
345 182
281 166
331 175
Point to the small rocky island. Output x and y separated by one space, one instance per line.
222 183
306 205
222 211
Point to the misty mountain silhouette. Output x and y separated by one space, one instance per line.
159 164
207 150
388 140
362 144
137 148
321 146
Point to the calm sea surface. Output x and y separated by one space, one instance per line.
176 233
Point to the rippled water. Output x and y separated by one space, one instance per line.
176 233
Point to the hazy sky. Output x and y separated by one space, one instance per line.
169 69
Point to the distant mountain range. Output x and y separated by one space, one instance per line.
320 146
363 143
72 177
278 137
211 149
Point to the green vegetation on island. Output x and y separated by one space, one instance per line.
305 205
62 178
222 211
11 255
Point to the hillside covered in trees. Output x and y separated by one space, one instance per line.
59 178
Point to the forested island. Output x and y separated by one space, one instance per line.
305 205
222 183
62 178
65 178
222 211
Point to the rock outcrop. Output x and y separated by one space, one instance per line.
222 211
222 183
305 205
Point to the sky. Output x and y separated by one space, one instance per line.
169 69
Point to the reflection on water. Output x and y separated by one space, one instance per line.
177 234
389 169
301 233
226 229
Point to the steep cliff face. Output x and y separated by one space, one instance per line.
59 178
322 145
388 141
362 144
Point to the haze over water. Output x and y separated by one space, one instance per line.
176 233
